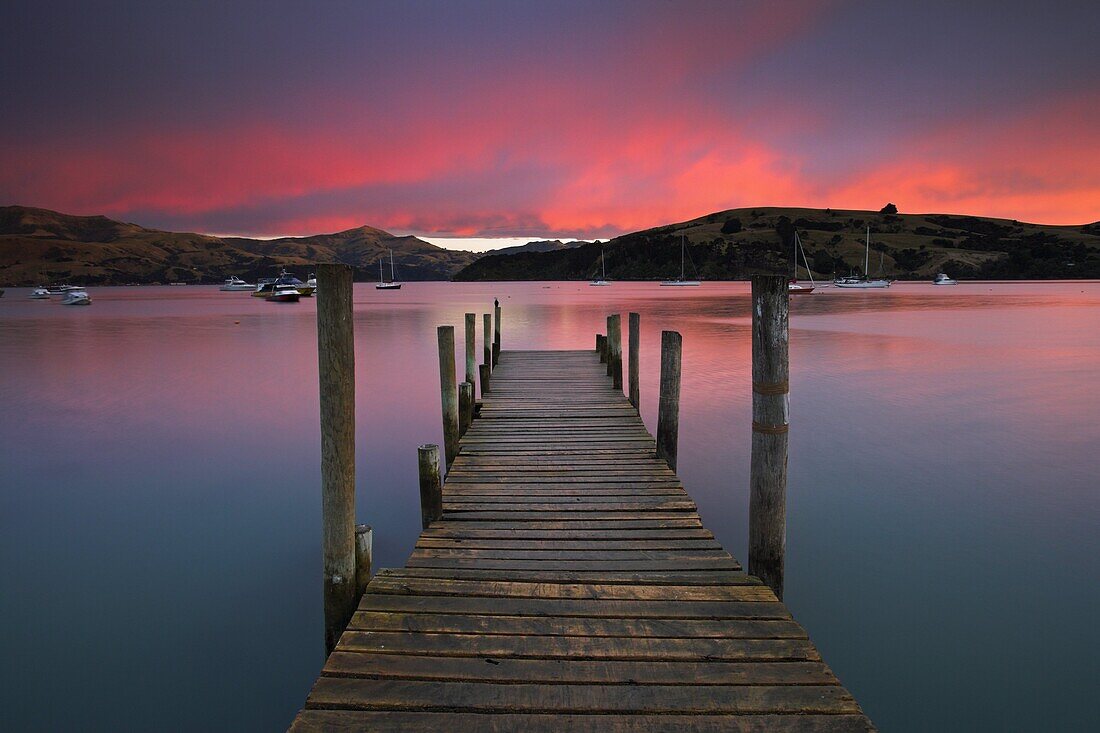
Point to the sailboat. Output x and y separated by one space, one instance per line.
602 279
681 281
792 285
864 281
392 284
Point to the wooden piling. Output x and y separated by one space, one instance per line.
668 406
431 485
364 541
633 343
465 407
471 346
336 371
483 371
487 343
601 346
599 337
496 332
615 359
770 420
448 389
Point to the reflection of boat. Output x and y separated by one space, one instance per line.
943 279
40 294
76 297
681 281
864 281
602 279
266 286
382 284
235 283
792 285
283 293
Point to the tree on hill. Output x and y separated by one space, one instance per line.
732 226
888 209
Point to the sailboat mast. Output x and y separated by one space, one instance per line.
392 278
867 256
681 256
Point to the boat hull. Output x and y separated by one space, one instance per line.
388 286
680 283
284 298
234 288
872 285
800 289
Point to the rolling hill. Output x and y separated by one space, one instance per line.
731 245
38 246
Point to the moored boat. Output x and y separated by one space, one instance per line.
681 282
943 279
284 294
266 285
234 283
61 289
39 294
602 280
382 284
76 297
793 286
863 282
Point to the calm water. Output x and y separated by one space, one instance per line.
159 460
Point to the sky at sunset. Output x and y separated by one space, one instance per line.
545 119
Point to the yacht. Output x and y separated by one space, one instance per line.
681 281
311 282
76 297
793 286
864 281
61 289
40 294
602 279
943 279
283 293
382 284
235 283
266 286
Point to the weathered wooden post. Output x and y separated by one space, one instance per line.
431 485
487 342
615 360
364 540
634 338
465 407
336 371
448 389
483 370
668 406
599 337
496 333
601 346
471 346
607 347
770 420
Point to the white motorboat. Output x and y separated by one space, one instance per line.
283 293
311 282
681 282
61 289
76 297
602 279
863 282
382 284
943 279
793 286
235 283
266 286
40 294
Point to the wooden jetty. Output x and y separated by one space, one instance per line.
569 585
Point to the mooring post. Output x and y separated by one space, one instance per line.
483 371
668 406
770 420
465 407
364 541
336 371
448 389
471 346
487 342
634 338
431 485
615 360
601 346
496 333
598 337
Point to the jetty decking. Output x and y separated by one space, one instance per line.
570 586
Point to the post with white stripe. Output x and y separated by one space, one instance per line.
770 420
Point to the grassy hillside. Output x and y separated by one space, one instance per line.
733 244
38 246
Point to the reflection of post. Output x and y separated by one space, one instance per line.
448 389
633 341
487 342
471 346
770 418
668 405
496 333
615 337
431 487
336 368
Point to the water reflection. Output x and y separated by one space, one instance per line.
159 462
